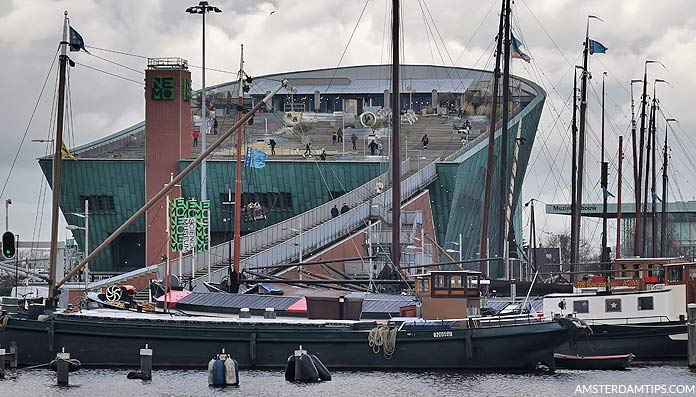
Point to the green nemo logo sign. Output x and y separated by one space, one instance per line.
162 88
186 89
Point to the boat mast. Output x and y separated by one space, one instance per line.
638 249
581 143
665 180
574 209
636 178
653 189
504 140
618 200
483 248
235 275
58 161
396 124
604 184
644 213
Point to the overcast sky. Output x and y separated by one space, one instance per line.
313 34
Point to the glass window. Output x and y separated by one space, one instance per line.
692 274
623 271
636 271
440 281
645 303
581 306
424 285
612 305
675 274
455 281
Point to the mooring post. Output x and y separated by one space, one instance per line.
2 360
63 368
146 362
691 315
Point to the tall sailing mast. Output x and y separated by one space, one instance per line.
235 275
575 255
618 199
58 161
491 145
604 184
636 178
574 209
396 125
503 242
665 181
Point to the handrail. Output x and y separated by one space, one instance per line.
283 230
335 228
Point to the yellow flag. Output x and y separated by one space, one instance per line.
64 150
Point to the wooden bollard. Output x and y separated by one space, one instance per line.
2 360
691 315
146 362
63 368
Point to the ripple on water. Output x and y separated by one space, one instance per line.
105 382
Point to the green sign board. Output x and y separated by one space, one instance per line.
189 225
186 89
162 88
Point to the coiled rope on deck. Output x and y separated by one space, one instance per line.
383 337
4 319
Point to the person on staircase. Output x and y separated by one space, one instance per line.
425 141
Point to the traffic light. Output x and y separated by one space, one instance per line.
8 245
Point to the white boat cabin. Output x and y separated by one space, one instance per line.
641 290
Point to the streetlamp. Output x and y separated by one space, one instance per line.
85 216
203 8
458 244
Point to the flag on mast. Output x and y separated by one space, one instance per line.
77 43
515 51
596 47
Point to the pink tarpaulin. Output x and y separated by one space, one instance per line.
298 307
174 296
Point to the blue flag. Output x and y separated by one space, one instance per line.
597 47
255 158
76 41
515 51
607 193
655 197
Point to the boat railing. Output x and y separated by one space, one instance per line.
627 320
328 232
499 321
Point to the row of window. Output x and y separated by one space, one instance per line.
613 305
98 204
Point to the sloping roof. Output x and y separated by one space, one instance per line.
237 301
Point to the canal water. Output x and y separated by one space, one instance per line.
673 378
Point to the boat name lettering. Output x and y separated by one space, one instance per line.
442 334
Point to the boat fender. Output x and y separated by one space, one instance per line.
305 370
211 363
73 364
137 375
231 372
218 374
290 369
324 373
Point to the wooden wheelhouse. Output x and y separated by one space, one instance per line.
449 294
